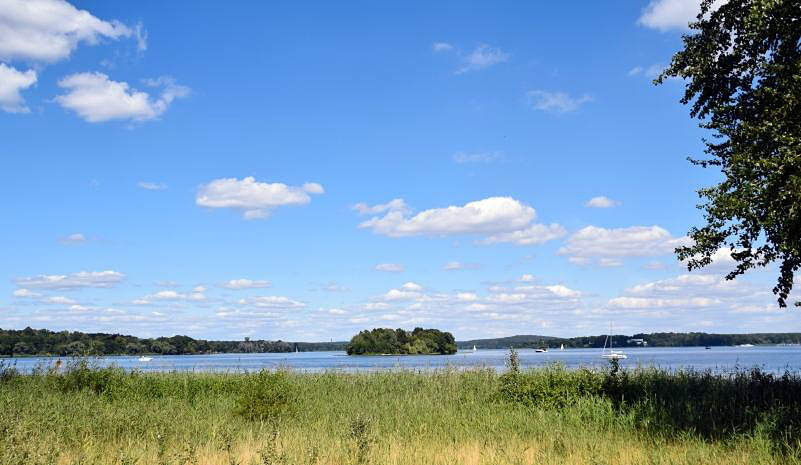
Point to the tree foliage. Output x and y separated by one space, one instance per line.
399 341
742 68
66 343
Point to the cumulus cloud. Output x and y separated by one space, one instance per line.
601 202
96 98
664 15
255 199
82 279
272 301
535 234
151 186
556 102
390 267
247 284
49 30
503 219
694 291
441 47
195 296
12 81
593 242
25 293
482 57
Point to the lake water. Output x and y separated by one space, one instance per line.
774 359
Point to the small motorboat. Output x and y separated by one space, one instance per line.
144 358
541 349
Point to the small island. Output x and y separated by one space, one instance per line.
388 341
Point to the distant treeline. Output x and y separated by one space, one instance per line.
622 340
401 342
44 342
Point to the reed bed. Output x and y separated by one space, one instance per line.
87 415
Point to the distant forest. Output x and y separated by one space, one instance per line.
67 343
636 340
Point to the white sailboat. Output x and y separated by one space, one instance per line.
474 348
562 347
611 354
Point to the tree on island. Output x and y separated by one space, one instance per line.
742 68
402 342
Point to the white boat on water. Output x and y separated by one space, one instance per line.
611 354
474 348
144 359
746 345
562 347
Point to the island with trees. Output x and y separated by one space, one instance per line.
385 341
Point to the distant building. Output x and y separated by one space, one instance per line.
638 341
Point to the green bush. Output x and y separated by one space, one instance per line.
551 387
266 396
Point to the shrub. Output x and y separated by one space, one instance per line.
267 396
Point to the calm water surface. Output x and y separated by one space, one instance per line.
770 358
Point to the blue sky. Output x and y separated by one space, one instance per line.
305 170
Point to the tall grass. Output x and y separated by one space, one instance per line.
87 415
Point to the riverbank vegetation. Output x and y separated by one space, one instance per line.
84 415
401 342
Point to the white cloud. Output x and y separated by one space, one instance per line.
49 30
25 293
491 215
151 186
483 57
247 284
601 202
527 278
254 198
390 267
476 157
563 291
410 286
59 300
96 98
175 296
671 14
73 239
441 47
272 302
535 234
82 279
637 241
556 102
337 311
12 81
454 266
392 205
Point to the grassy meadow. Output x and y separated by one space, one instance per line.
85 415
